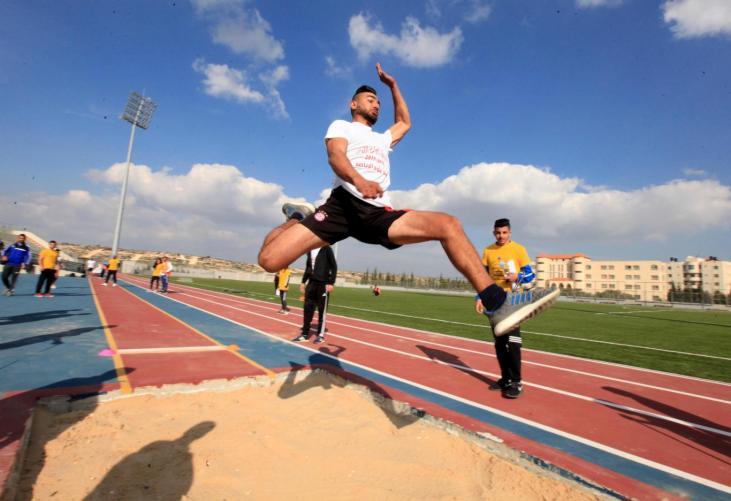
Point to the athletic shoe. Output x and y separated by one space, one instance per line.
11 292
104 284
519 307
7 292
38 295
114 285
513 390
300 338
500 384
49 295
53 286
297 211
320 339
282 312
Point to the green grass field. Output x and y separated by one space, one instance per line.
689 331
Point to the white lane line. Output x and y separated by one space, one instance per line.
247 301
335 321
546 388
482 326
175 349
611 450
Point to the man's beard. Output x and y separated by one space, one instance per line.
370 118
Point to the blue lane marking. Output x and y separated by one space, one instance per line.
273 353
51 342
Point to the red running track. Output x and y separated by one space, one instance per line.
679 423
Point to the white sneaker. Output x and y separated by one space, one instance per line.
104 284
519 307
114 285
297 211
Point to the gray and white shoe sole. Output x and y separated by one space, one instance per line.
516 318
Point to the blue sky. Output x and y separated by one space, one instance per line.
598 126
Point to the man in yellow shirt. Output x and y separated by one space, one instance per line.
282 287
508 264
112 268
47 262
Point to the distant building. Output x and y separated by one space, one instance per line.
643 280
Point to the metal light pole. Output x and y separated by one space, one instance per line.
138 112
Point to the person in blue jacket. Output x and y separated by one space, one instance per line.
14 258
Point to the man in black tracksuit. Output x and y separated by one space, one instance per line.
320 272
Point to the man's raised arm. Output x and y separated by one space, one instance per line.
402 119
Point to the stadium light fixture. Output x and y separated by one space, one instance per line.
138 112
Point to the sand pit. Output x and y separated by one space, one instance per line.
309 438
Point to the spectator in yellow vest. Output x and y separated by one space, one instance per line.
47 262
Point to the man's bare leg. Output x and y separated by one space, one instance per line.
285 243
423 226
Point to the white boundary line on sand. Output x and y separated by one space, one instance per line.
625 455
561 355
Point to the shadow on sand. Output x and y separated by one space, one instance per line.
327 360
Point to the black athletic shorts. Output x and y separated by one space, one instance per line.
344 215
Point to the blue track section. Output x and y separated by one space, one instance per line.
274 353
51 342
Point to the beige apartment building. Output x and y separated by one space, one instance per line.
643 280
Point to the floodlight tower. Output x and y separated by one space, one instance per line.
138 112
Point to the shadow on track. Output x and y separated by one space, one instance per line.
454 361
706 438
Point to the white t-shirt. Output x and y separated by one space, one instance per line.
368 153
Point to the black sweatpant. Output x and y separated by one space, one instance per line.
314 298
283 300
46 278
111 274
154 282
10 275
507 351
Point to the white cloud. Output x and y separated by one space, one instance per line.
217 210
244 31
586 4
698 18
416 46
333 69
550 207
226 82
477 12
694 172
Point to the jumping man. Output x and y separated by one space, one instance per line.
359 206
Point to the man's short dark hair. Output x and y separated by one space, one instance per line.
364 88
21 234
502 223
52 242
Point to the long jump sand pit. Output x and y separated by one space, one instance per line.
308 437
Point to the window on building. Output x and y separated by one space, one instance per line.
637 287
627 267
636 267
588 286
612 286
604 277
653 267
655 277
628 286
611 277
604 267
588 266
656 287
637 277
628 277
604 286
610 267
588 277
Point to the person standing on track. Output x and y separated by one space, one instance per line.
359 206
165 272
156 271
47 261
15 257
508 264
282 287
112 268
320 273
